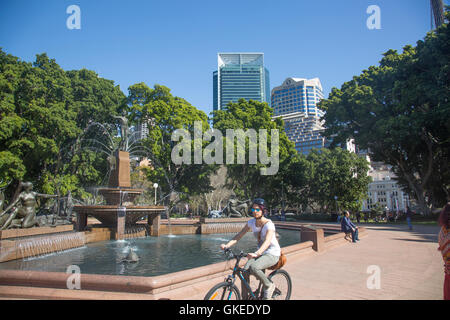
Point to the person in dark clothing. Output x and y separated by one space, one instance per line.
409 214
347 226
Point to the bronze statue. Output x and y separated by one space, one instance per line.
123 132
236 208
23 209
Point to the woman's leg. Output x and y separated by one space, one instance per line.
256 267
447 287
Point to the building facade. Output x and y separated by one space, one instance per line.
384 191
295 101
297 95
240 75
305 131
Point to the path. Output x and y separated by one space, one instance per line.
410 265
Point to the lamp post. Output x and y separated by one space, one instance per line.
155 185
335 199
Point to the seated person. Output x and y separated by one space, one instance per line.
347 226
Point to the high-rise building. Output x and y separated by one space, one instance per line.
296 102
297 95
240 75
437 10
305 131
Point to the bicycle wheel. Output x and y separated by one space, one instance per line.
283 285
223 291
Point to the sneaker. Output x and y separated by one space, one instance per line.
269 292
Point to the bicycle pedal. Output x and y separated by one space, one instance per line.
276 293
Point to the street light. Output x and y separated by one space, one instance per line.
155 185
335 199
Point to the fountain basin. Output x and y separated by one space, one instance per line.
108 214
119 218
115 196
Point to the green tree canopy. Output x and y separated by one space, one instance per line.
246 179
43 110
163 114
399 111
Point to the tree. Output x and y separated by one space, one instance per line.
324 174
164 113
398 111
246 179
43 111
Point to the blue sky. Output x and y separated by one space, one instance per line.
175 43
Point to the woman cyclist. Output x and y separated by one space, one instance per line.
268 251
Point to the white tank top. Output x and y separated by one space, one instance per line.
274 247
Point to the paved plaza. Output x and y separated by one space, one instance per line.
410 267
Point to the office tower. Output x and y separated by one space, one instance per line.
437 10
305 131
240 75
142 130
297 95
296 102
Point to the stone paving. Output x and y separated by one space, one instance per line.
411 267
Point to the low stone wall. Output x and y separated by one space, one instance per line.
28 232
212 228
39 245
177 229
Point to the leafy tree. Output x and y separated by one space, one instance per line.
399 111
324 174
246 179
163 114
43 111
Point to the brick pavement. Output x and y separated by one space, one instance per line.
410 267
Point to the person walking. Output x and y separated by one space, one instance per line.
409 217
358 217
348 226
269 250
444 247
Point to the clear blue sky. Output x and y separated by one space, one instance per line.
175 42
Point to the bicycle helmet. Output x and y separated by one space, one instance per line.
260 202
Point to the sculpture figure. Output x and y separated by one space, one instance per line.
22 211
236 208
132 257
123 132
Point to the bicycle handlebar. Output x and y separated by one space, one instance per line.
231 254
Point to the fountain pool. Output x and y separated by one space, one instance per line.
158 255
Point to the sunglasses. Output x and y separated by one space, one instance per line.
255 210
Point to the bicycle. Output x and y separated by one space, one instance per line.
227 290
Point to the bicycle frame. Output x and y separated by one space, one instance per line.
240 273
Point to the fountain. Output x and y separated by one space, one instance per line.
119 214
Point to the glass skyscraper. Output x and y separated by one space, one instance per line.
296 102
240 75
298 95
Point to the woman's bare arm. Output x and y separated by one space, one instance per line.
266 243
10 206
237 237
